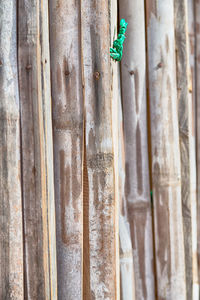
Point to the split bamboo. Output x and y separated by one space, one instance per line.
116 98
187 147
11 245
37 151
197 92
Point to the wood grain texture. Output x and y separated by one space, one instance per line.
136 202
68 142
197 93
192 72
166 172
187 147
11 244
37 155
95 43
127 273
116 98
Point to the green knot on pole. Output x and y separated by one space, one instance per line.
117 50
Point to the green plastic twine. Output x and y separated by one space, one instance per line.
151 193
117 50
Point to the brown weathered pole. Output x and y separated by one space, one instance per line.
115 103
197 90
166 172
37 157
137 203
187 147
96 70
11 245
68 142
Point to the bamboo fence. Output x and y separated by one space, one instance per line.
99 160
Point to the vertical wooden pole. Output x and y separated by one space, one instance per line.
11 245
197 88
127 273
68 141
166 174
187 147
37 158
191 32
116 98
95 43
137 203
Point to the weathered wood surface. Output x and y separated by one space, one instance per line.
68 141
97 79
187 147
191 33
136 203
127 273
37 158
116 98
197 93
166 174
11 245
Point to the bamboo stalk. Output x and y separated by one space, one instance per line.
116 99
191 33
166 174
197 93
137 205
127 273
187 147
97 80
37 156
68 143
11 244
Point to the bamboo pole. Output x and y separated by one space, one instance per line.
137 205
127 274
197 93
37 157
11 244
166 173
187 147
116 99
68 141
191 32
97 80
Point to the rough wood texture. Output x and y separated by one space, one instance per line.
191 33
197 93
68 136
127 273
99 149
11 246
187 147
37 158
116 98
166 173
136 203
